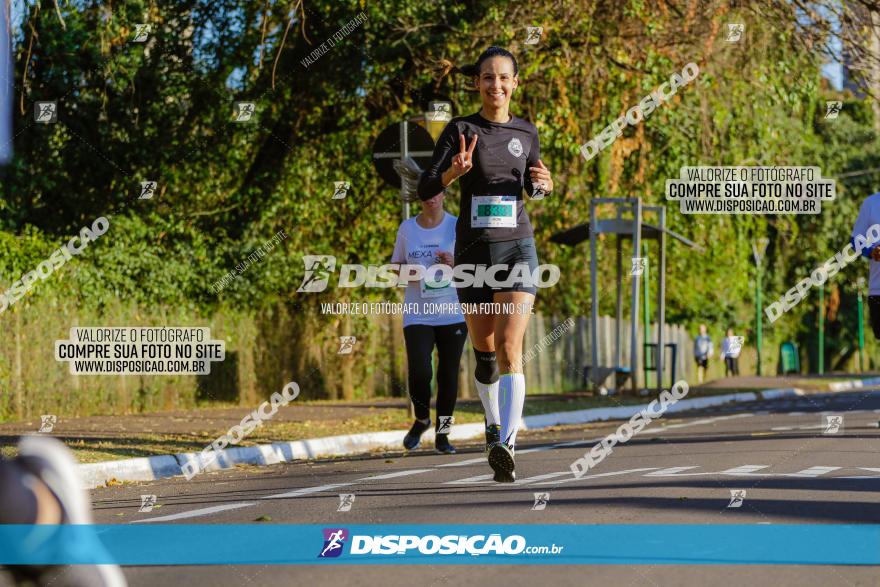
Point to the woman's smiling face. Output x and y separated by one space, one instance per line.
496 82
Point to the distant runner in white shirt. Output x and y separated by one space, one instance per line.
429 239
730 349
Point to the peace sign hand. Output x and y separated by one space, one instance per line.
463 161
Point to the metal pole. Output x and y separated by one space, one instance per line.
861 332
822 329
634 305
594 299
661 301
758 320
618 323
647 311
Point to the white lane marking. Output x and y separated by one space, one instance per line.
875 469
546 476
465 462
588 477
796 413
196 513
395 474
469 480
536 449
783 428
674 472
307 491
706 421
746 470
812 472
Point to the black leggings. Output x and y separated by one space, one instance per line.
874 310
731 365
420 340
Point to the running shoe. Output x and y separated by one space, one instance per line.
52 463
501 461
441 443
414 437
493 435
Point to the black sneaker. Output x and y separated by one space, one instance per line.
493 435
441 443
414 436
501 461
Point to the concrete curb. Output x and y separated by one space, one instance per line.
162 466
854 384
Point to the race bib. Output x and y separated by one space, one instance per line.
435 289
493 212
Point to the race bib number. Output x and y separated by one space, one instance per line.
435 289
493 212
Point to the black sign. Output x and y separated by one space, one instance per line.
388 147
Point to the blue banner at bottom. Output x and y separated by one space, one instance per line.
607 544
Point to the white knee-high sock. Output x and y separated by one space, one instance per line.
489 396
512 396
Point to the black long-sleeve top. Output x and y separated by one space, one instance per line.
503 154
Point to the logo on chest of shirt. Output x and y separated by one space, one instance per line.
515 147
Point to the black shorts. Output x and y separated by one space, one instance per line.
510 253
704 362
874 311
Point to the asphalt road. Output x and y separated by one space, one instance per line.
679 470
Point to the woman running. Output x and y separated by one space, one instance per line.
429 239
496 156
